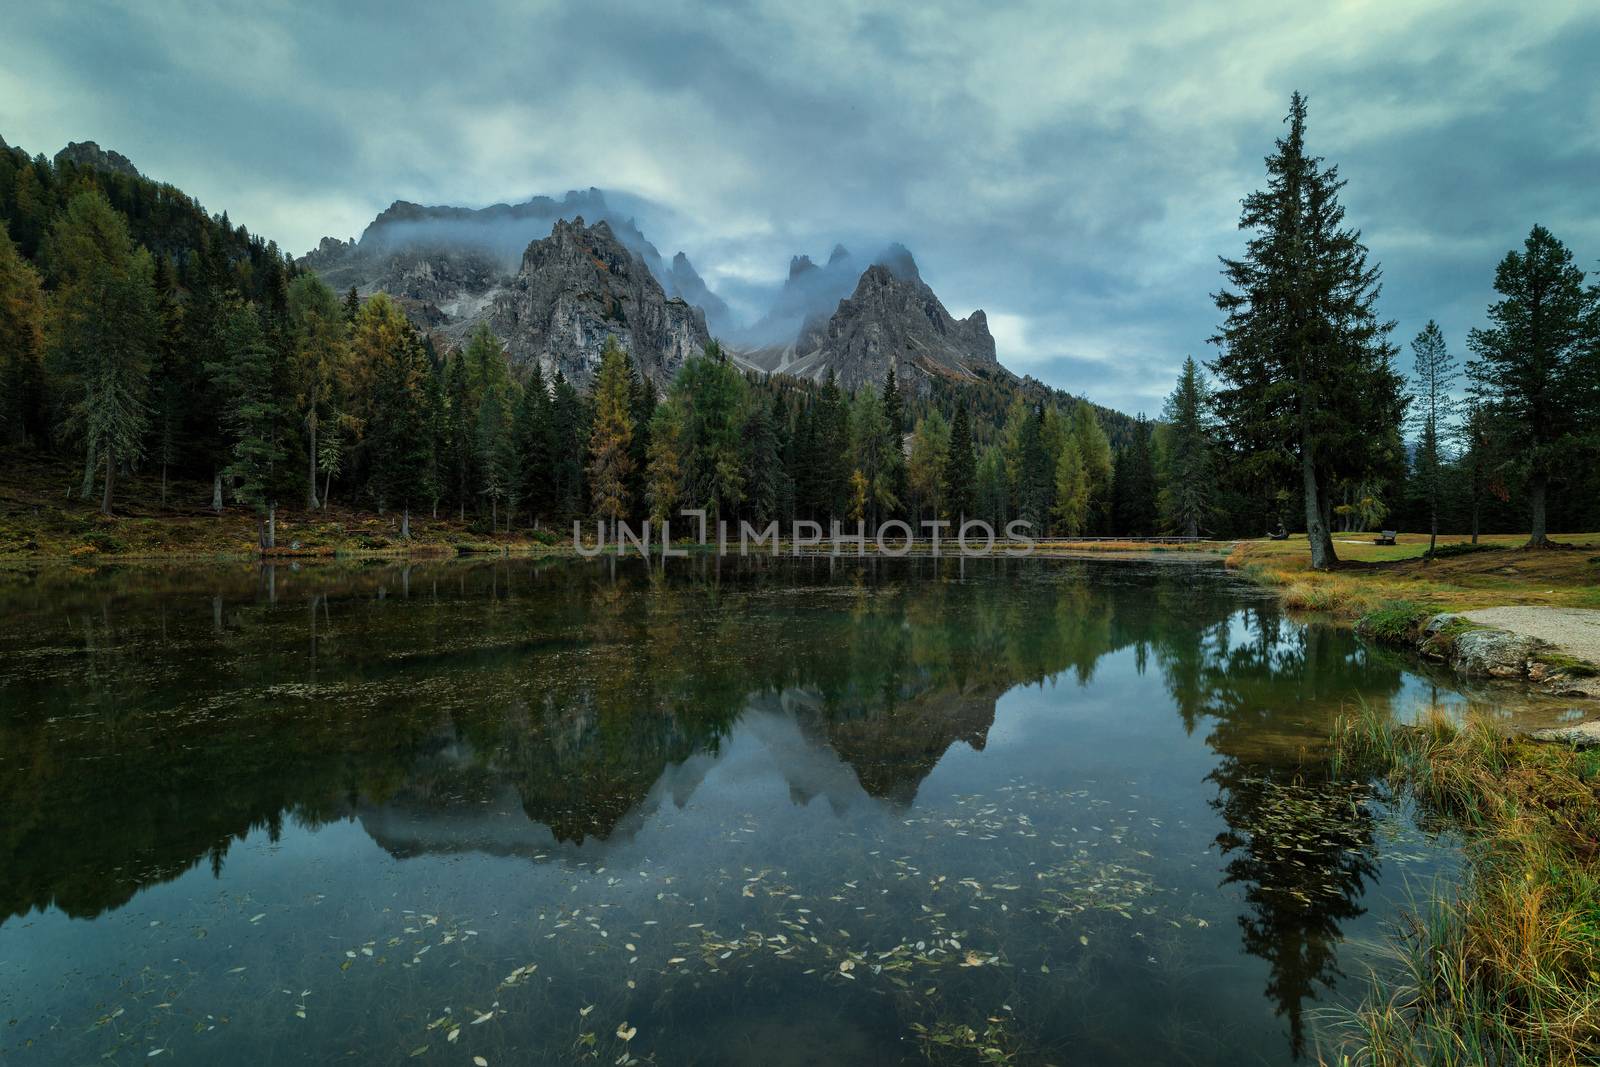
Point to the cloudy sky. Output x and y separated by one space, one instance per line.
1072 169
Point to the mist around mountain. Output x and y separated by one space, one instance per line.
453 268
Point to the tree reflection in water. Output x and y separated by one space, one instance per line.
155 717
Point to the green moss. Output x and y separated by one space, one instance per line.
1395 622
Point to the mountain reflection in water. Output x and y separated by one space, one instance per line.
152 720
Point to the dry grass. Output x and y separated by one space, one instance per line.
1507 970
1368 576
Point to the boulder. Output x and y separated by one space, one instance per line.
1582 735
1494 653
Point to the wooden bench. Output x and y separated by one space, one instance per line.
1387 538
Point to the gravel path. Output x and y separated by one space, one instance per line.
1575 631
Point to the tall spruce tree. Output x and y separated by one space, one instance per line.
1305 363
1188 475
960 468
1134 485
1433 377
1535 366
249 376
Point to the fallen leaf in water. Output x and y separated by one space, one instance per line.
585 1011
626 1032
479 1061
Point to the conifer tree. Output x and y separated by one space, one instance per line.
22 319
1095 450
930 450
960 468
105 331
1305 363
535 444
249 378
1536 365
318 325
1134 485
611 437
665 476
400 438
1072 489
571 435
1188 474
1432 378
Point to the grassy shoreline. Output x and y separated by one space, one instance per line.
1507 969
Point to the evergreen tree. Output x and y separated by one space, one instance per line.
461 424
571 435
1095 449
106 327
611 438
930 451
1187 471
170 391
22 319
763 475
894 417
401 440
1432 378
874 449
960 468
992 495
249 377
665 476
1305 363
832 447
1072 489
352 306
535 444
1134 486
1535 366
318 325
494 450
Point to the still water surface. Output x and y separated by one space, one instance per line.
506 812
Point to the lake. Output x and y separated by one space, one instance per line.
742 811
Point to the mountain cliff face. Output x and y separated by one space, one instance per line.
552 287
438 260
891 319
581 285
90 154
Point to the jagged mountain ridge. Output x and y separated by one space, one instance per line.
891 319
452 268
436 256
581 285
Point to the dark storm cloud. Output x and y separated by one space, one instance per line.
1075 173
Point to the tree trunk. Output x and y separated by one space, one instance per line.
1433 535
311 484
327 488
1477 508
494 514
272 526
216 493
111 471
1322 557
405 523
163 485
1536 494
88 474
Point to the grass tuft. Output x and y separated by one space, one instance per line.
1507 970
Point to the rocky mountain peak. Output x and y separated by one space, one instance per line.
582 285
89 154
